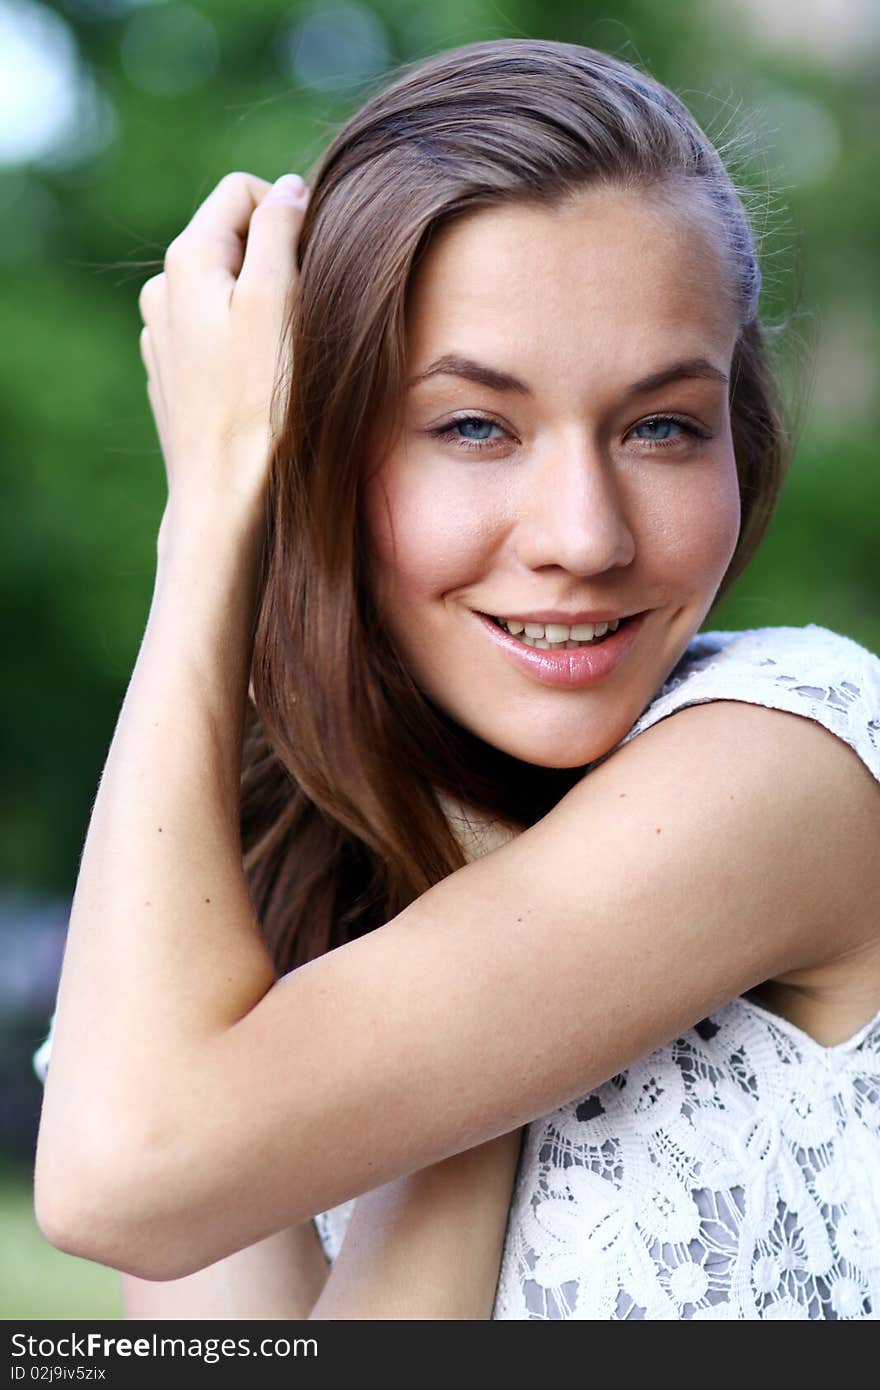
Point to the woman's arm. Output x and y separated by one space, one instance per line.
427 1246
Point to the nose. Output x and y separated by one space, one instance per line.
571 513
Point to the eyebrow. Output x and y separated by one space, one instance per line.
450 364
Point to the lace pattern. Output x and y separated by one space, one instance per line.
732 1174
810 671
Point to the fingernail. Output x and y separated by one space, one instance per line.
288 186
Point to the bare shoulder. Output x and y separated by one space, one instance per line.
799 771
743 782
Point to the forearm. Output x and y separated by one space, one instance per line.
428 1245
162 950
281 1277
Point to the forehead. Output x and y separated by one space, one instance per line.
613 277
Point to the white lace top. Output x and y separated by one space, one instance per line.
735 1172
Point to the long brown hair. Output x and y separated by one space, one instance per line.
344 754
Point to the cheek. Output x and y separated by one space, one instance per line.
702 534
722 516
423 542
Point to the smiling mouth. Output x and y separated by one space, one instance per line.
558 637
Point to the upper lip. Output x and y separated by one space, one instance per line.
556 615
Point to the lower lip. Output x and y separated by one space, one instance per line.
573 668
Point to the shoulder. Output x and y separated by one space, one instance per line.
732 790
811 671
761 773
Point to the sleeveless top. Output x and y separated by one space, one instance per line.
733 1173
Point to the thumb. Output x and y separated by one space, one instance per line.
270 255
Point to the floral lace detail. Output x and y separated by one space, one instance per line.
809 670
734 1173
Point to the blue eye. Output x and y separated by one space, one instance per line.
664 425
661 427
480 423
448 433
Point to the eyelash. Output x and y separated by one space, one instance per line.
447 434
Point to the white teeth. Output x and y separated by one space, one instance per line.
556 634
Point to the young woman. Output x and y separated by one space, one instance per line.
518 854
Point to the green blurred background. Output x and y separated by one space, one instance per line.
119 116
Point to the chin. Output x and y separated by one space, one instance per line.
561 760
548 751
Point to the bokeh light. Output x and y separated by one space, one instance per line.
170 49
102 9
831 33
51 108
802 135
334 47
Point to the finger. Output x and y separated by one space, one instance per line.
154 387
269 266
214 237
150 293
154 396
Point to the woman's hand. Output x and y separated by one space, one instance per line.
214 320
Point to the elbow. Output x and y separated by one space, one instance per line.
90 1227
109 1213
62 1226
78 1219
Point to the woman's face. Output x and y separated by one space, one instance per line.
542 476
